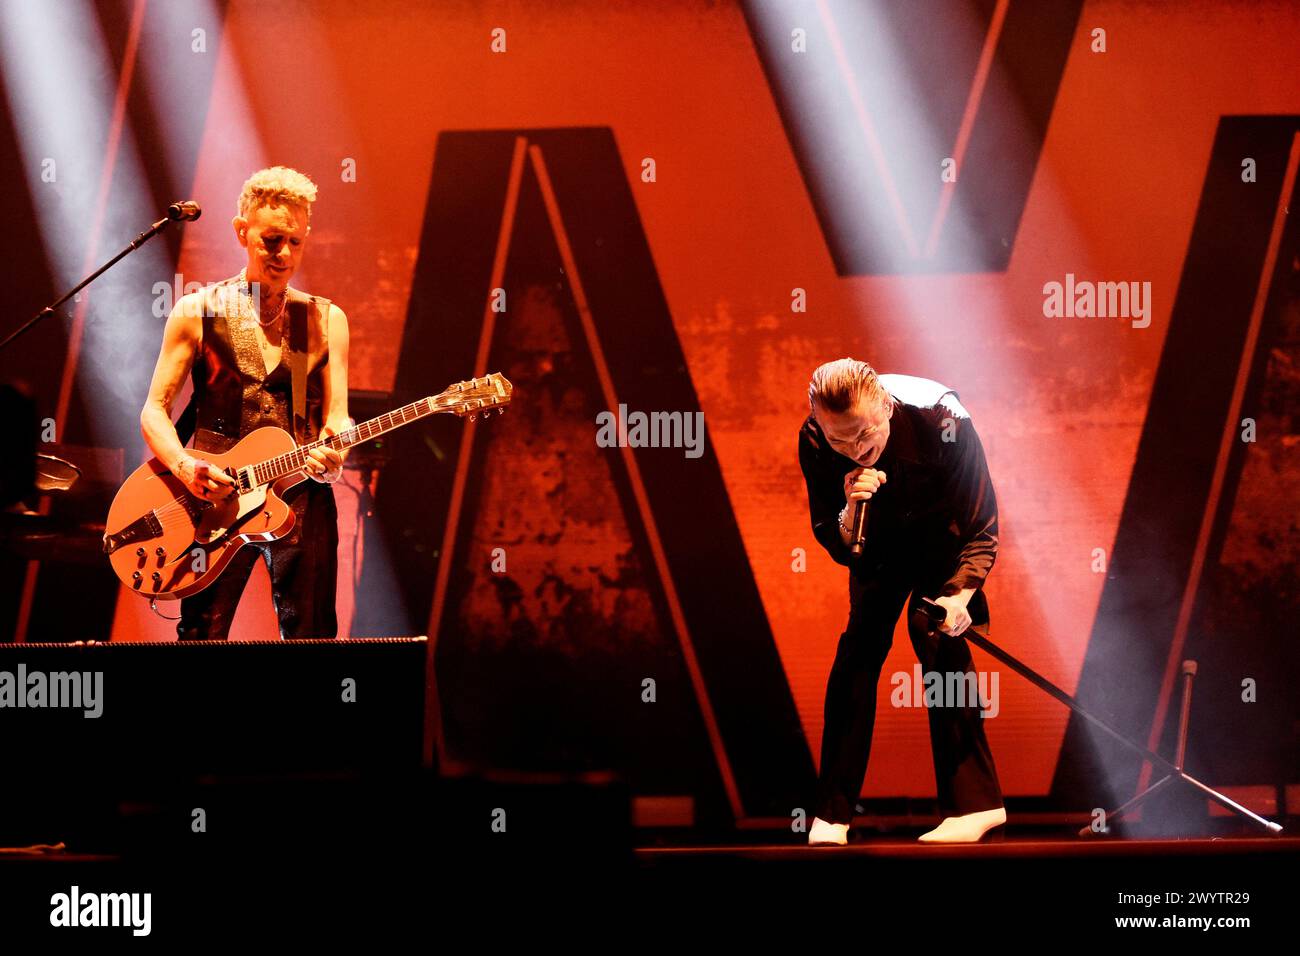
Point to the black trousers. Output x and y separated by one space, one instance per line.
963 766
303 568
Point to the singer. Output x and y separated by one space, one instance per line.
242 339
904 449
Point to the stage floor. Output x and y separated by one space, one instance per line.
1009 847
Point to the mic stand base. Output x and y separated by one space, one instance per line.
1174 772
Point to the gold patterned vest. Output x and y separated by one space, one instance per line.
233 392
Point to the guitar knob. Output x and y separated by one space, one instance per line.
157 578
139 552
136 576
161 552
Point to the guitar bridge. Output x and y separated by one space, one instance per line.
142 529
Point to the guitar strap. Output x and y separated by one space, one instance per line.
189 417
298 365
185 424
299 353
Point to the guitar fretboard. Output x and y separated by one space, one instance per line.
271 469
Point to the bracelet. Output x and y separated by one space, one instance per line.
843 528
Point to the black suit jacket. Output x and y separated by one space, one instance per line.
937 508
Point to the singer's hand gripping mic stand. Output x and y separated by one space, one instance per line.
176 212
1174 772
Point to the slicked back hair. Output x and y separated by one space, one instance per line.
838 386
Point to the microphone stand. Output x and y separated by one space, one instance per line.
135 244
1174 772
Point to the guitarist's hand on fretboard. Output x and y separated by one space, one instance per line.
324 464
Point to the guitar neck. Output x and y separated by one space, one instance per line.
272 469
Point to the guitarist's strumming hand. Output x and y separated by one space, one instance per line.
325 464
204 481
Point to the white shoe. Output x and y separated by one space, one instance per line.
965 829
823 833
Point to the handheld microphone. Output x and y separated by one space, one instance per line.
859 529
186 211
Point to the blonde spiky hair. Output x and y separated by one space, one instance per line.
276 186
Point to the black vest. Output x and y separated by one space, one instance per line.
233 393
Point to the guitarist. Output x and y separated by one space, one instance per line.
236 339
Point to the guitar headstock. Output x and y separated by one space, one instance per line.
477 396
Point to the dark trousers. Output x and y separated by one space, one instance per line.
963 766
303 568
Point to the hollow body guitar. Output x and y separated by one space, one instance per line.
169 544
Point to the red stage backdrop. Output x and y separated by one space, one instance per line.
675 228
